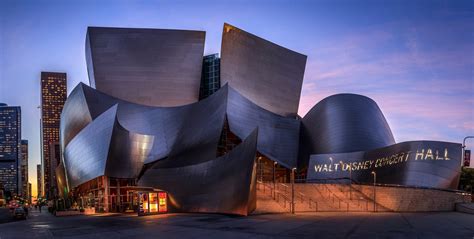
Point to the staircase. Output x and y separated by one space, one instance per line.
311 197
330 198
319 197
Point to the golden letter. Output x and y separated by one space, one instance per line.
336 166
408 154
419 154
429 154
318 168
325 168
437 156
446 154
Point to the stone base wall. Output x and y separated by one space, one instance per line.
313 197
412 199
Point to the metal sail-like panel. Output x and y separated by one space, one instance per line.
343 123
154 67
269 75
220 185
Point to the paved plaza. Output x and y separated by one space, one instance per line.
320 225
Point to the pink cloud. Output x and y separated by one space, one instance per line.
423 93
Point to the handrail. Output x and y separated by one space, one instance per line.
325 192
328 181
265 185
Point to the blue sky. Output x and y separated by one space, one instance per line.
414 58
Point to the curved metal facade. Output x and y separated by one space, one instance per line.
122 134
262 71
86 154
155 67
119 141
344 123
277 137
220 185
431 164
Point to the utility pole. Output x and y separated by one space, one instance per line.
293 190
375 180
274 180
350 181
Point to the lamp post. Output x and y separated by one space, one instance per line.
293 190
464 146
350 181
274 179
375 180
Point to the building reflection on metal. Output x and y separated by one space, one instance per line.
115 147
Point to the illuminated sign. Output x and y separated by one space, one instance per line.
415 163
397 158
162 202
467 158
141 208
152 203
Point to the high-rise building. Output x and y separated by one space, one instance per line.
55 157
10 152
40 181
210 79
53 96
24 169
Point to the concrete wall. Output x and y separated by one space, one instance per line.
412 199
337 197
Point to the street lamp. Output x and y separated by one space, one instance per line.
274 179
293 190
350 181
375 180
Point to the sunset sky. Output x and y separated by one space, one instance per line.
414 58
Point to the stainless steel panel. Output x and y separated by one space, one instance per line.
63 187
343 123
278 136
86 154
222 185
155 67
269 75
128 152
431 164
176 130
74 117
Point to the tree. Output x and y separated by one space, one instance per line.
467 179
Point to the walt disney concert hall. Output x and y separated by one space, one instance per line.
164 128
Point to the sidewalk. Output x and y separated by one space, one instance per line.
5 215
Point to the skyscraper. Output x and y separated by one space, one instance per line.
40 181
53 96
24 169
210 79
29 192
10 152
55 157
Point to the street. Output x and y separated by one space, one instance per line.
321 225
